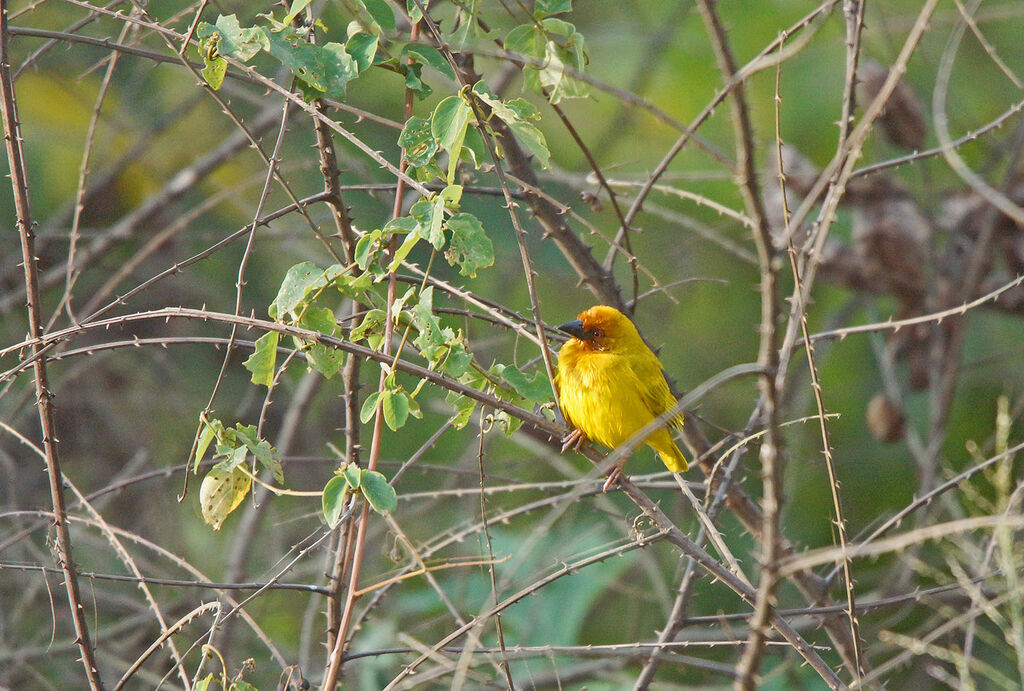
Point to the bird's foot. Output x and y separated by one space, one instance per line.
574 440
613 477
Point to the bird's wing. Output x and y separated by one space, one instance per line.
654 389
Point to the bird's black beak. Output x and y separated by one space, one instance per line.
575 328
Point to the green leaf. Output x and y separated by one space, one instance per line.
474 149
535 387
353 475
507 422
448 123
430 56
414 79
297 284
222 490
369 407
464 407
571 52
418 141
467 26
526 40
452 195
324 359
403 251
214 70
401 225
429 215
334 499
380 495
263 359
370 328
457 360
469 248
362 47
395 406
431 336
204 684
516 114
239 43
566 49
327 68
367 248
434 233
396 314
441 346
381 12
293 12
260 448
414 11
235 457
319 319
543 8
302 281
211 430
414 407
354 285
267 457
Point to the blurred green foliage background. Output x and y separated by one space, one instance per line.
124 414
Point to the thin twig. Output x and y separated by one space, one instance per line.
44 395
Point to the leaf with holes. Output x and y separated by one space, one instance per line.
429 214
214 69
418 141
323 358
300 280
236 42
327 68
469 248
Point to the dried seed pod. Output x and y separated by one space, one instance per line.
890 236
885 419
902 118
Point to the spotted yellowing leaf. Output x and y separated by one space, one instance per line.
223 489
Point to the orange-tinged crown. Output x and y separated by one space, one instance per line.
602 327
608 321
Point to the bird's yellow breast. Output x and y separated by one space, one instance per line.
599 393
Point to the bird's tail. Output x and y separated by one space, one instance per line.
670 454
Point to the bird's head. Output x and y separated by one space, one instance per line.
602 328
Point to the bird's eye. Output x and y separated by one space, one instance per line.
597 333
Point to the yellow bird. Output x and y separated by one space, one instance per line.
610 385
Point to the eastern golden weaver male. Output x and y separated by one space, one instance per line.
610 385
